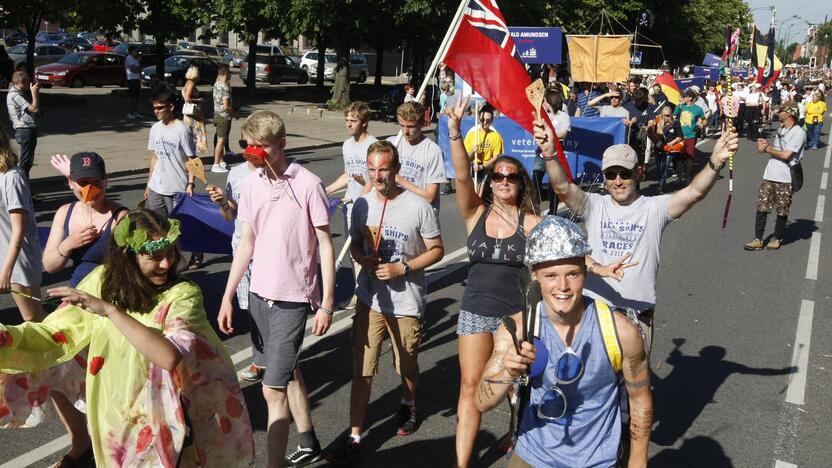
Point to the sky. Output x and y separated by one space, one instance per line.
812 11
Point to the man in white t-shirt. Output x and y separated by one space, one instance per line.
613 109
354 150
422 168
625 226
777 187
133 70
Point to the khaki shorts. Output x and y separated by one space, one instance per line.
776 196
369 329
223 126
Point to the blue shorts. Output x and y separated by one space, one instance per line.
470 323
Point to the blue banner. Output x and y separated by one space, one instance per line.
584 145
710 73
203 227
711 60
686 83
538 45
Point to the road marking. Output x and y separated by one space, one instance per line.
819 208
823 178
782 464
814 254
828 156
39 453
800 358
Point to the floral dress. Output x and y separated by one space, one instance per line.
138 413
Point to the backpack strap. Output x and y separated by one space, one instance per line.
609 333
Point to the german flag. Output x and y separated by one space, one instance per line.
669 88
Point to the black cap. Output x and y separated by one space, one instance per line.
87 165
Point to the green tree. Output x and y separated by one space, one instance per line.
29 14
823 36
790 52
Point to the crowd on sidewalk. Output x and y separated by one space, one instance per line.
556 320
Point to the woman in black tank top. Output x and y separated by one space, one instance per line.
497 221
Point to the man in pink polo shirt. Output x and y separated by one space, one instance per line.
284 220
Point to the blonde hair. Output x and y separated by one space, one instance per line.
360 109
264 126
192 73
19 77
8 158
411 111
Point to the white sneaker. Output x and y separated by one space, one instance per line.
218 169
223 164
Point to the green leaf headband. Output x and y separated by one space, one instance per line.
137 240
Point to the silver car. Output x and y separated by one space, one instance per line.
358 66
44 53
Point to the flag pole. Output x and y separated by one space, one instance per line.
440 55
477 142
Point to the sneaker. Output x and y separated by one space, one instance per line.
756 244
252 374
353 302
223 164
348 453
303 456
409 420
773 244
218 169
131 116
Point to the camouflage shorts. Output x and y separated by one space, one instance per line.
776 196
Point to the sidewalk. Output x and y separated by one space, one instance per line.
92 119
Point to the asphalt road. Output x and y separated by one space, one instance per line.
730 358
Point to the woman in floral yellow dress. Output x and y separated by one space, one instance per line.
160 388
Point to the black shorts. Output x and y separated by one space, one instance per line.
133 88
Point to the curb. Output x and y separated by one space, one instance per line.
39 182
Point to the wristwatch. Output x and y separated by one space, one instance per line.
716 168
407 268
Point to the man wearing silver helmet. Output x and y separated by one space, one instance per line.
624 225
572 357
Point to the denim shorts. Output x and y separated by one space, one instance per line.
470 323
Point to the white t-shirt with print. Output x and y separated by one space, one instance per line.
421 164
173 146
792 139
355 164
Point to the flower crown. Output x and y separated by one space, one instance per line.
137 240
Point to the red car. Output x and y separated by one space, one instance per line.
82 69
104 46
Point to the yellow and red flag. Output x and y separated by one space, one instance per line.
669 88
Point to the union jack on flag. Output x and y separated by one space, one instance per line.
486 17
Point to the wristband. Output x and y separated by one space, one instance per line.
455 137
328 312
716 168
547 157
58 249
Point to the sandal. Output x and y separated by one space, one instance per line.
85 460
195 263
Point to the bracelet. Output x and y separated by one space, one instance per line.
547 157
504 382
328 312
58 249
455 137
190 184
714 167
591 267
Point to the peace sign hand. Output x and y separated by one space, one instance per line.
456 112
616 269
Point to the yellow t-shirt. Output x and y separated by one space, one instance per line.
490 142
815 109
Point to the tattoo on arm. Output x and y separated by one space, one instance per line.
484 392
636 385
638 363
641 423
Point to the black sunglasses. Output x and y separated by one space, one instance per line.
625 174
512 177
243 143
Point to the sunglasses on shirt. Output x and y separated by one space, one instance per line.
512 177
568 370
625 174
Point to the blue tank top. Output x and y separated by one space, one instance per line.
86 258
494 269
589 434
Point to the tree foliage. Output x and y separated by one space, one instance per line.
823 36
29 14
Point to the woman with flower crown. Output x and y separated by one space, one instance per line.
160 387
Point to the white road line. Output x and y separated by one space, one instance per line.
800 358
819 208
828 156
814 255
782 464
823 178
39 453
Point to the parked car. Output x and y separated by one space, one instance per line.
293 52
269 49
15 38
147 51
177 65
83 68
105 46
44 54
190 53
6 68
233 57
358 66
75 44
275 69
48 38
212 52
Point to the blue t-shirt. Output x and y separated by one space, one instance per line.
583 104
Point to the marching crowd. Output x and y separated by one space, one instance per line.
556 321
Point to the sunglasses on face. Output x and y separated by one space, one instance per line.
161 107
625 174
569 369
512 177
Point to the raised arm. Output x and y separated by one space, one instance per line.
683 200
570 193
467 199
594 102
